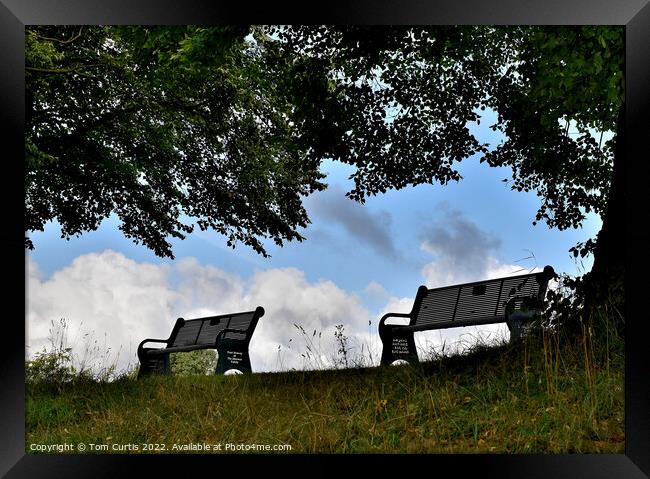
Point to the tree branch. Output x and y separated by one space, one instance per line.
69 40
67 141
63 70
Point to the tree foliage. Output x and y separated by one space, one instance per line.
199 362
567 93
229 125
407 95
162 126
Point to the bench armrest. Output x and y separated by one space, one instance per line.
165 341
393 315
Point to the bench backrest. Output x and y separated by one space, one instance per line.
482 301
204 331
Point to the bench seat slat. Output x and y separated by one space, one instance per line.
472 305
529 288
204 331
209 332
437 306
241 322
187 334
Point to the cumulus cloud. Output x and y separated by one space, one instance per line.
118 302
370 228
121 302
315 307
115 300
463 252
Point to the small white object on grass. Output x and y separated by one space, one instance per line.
399 362
230 372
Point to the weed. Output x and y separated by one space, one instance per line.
53 367
343 347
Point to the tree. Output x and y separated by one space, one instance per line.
199 362
162 127
408 93
230 125
571 80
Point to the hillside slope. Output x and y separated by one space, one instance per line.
543 395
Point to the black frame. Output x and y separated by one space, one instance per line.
634 14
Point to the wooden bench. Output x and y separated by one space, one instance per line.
229 334
515 300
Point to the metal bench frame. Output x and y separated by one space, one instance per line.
518 307
231 343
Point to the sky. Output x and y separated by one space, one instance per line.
357 263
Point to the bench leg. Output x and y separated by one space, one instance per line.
233 355
158 364
519 323
397 345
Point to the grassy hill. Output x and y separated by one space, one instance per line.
547 393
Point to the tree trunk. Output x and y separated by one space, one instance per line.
604 283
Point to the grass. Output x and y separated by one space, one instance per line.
546 394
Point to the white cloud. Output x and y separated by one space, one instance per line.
122 301
462 253
443 273
376 290
109 298
317 307
116 300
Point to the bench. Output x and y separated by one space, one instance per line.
515 300
229 334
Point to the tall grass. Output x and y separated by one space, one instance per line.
551 392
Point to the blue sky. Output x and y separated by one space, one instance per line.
371 257
354 244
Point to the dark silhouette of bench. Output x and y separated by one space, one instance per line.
229 334
515 300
